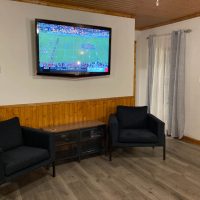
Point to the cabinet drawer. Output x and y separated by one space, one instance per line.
66 152
66 146
92 133
67 137
91 147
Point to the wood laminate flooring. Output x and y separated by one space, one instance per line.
134 174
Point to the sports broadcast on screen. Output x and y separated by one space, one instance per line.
68 48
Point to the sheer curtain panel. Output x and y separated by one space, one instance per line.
166 80
158 84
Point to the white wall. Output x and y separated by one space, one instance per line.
18 84
192 126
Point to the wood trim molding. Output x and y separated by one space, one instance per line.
71 101
190 140
79 8
134 78
170 21
39 115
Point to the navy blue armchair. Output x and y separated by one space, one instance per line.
134 127
23 149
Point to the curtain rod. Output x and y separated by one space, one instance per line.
186 31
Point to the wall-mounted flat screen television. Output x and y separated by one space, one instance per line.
74 50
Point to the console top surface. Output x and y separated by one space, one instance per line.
73 126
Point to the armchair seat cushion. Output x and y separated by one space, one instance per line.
137 136
22 157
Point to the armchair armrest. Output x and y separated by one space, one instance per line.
1 166
113 126
38 138
156 126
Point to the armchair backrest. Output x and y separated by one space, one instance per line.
132 117
10 134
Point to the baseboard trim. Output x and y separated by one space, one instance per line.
190 140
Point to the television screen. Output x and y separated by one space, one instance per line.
75 50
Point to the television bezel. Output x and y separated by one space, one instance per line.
71 74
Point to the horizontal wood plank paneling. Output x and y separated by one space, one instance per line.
79 7
58 113
146 13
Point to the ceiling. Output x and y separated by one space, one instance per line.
146 13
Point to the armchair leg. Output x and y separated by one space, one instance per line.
54 169
164 152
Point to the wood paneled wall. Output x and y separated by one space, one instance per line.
57 113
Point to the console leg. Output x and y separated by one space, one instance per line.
47 167
54 169
105 142
110 153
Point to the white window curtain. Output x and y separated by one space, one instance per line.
160 85
166 73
